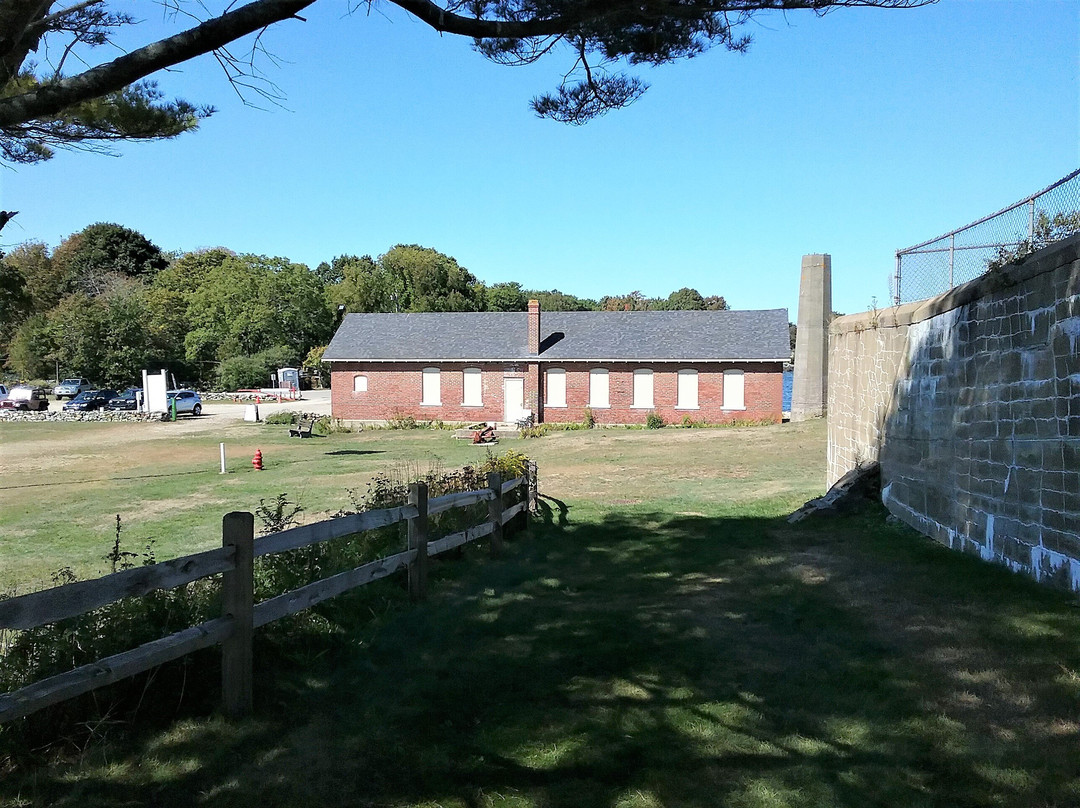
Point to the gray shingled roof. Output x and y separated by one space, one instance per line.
565 336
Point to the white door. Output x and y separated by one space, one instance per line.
513 399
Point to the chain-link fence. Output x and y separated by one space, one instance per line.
936 266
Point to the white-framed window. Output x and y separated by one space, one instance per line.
687 398
643 389
471 387
431 392
598 388
359 384
555 387
734 390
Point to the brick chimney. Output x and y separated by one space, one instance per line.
534 327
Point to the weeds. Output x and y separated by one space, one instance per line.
332 426
401 420
40 653
279 515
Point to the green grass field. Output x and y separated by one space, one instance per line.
63 484
661 638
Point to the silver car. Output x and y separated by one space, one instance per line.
187 401
69 388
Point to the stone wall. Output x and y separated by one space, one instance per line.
971 403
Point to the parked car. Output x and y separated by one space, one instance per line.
69 388
90 400
186 401
127 400
25 397
3 392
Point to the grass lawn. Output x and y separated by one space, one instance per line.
62 484
662 638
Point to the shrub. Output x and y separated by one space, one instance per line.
325 425
510 464
588 421
280 419
689 423
401 420
654 421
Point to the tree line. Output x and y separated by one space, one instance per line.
107 303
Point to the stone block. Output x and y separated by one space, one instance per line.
1024 428
1054 481
1000 452
1040 296
1049 428
1053 458
1043 408
1062 541
1014 550
1016 325
1051 501
1031 510
1056 520
1028 455
1071 503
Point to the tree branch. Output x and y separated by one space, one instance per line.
21 26
52 98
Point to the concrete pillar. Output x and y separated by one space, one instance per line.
809 386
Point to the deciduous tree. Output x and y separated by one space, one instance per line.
555 300
45 283
99 255
506 297
14 302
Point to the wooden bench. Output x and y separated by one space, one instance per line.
299 431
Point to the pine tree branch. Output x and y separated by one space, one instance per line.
21 26
52 98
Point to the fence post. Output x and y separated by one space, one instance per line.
418 496
532 492
495 511
238 602
952 258
896 290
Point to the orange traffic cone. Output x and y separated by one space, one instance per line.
256 461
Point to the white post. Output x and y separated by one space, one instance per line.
222 458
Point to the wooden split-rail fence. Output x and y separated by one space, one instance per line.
234 630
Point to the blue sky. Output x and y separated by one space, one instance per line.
853 134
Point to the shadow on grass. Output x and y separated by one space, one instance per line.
634 659
338 452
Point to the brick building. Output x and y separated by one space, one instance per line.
714 366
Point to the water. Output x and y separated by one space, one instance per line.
788 376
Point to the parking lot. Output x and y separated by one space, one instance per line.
214 412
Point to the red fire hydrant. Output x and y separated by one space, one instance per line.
256 461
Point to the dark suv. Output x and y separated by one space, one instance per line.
90 400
